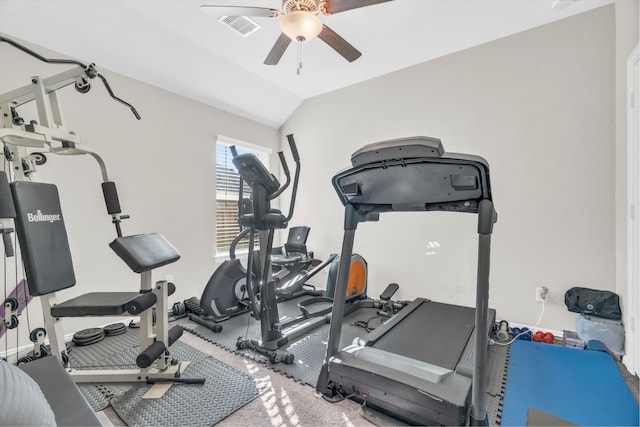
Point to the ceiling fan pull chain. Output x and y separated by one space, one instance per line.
299 58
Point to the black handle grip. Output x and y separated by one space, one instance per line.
151 353
294 149
176 380
8 244
283 162
174 334
140 303
111 197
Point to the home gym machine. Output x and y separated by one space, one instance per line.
425 364
44 244
276 332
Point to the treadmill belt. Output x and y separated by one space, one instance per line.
434 333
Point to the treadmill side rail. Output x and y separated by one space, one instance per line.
401 364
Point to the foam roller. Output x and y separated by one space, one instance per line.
141 302
174 334
151 353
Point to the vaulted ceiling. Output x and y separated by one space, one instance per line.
172 44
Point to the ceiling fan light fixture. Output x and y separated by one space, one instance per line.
301 26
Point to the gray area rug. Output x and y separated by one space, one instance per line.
226 389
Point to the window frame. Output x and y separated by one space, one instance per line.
264 154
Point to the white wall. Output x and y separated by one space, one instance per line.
164 166
539 106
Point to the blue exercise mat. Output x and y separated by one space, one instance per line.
583 387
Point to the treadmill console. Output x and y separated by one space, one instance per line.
413 174
395 149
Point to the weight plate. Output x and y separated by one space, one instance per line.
115 329
89 341
88 334
80 343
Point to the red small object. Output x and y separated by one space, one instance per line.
548 338
538 336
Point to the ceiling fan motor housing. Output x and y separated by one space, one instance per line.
300 20
305 5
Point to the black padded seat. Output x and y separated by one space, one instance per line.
286 259
95 304
144 252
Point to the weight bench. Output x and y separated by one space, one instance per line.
47 259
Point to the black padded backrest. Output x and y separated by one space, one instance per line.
43 237
144 252
297 239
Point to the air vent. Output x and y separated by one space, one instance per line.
241 24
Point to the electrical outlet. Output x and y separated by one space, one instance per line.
542 294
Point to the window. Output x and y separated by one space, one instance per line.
227 192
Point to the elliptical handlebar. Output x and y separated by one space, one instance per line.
285 168
235 241
294 149
296 158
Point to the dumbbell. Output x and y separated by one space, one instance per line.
546 337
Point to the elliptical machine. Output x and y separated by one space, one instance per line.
226 294
275 332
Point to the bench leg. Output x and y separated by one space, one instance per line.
162 320
53 326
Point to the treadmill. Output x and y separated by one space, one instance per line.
426 365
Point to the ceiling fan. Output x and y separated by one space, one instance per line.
299 22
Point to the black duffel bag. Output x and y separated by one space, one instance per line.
604 304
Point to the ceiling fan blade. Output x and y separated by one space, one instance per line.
277 50
239 11
339 44
335 6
